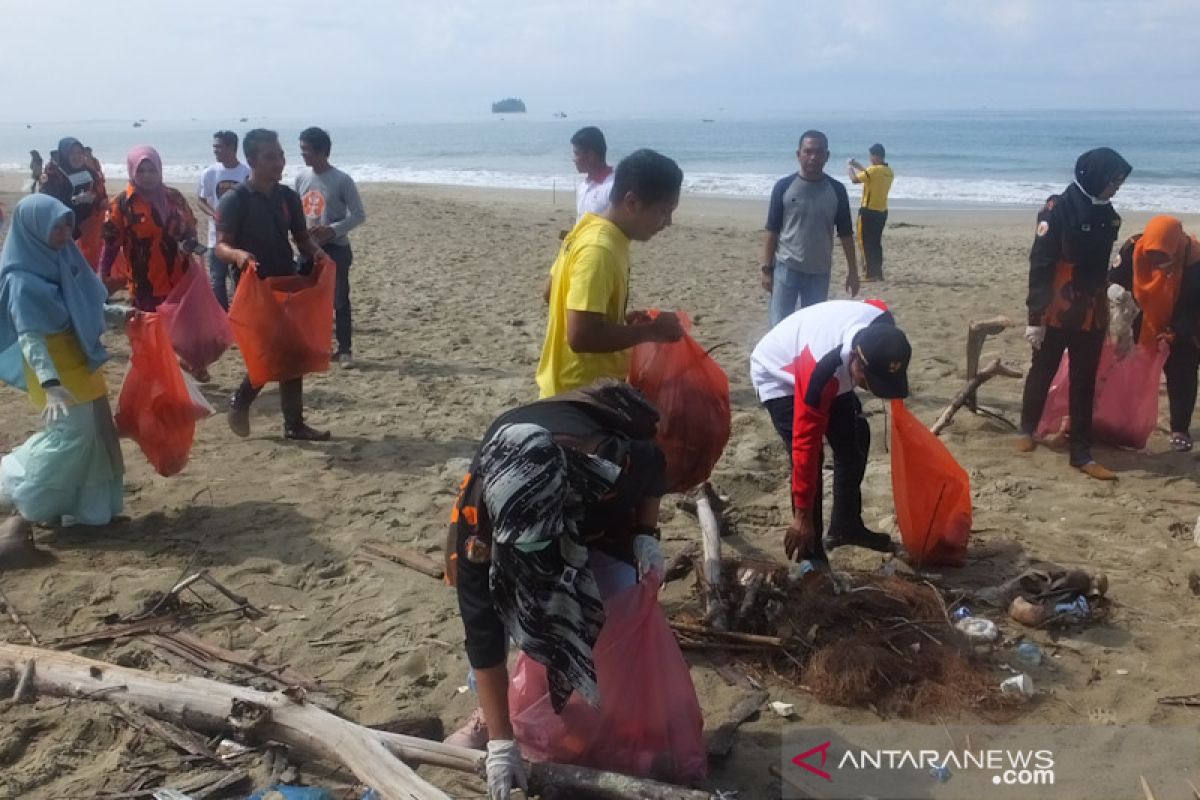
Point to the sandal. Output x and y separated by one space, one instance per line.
1181 442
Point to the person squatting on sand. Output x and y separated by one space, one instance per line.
153 225
52 314
590 329
804 372
253 224
1068 301
558 512
1161 267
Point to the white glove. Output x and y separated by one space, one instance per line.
58 403
1035 335
1117 293
648 553
505 769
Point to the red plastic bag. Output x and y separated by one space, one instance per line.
1126 405
931 491
199 327
648 722
157 407
284 325
691 393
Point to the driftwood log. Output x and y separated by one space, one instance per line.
977 332
965 396
376 758
716 611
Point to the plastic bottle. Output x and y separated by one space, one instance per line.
1078 608
1029 654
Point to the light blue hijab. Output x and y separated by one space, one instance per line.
46 291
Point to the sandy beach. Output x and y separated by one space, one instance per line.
448 328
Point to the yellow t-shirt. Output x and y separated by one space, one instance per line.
876 182
71 365
591 273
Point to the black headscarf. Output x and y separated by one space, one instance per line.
60 155
1097 168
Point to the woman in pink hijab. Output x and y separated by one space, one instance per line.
155 229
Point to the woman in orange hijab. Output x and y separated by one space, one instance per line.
1161 266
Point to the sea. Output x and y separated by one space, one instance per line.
956 159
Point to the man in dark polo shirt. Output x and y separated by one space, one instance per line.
253 223
807 208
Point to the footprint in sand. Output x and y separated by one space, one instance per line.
1102 716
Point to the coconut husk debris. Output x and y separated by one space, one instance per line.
858 639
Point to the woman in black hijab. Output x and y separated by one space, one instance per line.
1068 304
70 180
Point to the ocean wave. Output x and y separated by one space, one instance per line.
907 190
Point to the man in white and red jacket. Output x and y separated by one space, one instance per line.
805 371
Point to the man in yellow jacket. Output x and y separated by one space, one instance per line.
876 181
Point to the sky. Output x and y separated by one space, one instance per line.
448 59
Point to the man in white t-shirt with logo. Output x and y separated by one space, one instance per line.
591 154
215 181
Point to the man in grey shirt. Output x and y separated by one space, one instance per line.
332 209
806 209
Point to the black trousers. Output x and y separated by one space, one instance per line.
870 235
343 257
1084 348
849 437
291 399
1183 375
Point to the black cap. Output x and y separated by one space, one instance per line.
885 352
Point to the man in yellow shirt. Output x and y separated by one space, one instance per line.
876 181
589 330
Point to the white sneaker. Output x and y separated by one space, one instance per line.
472 734
344 360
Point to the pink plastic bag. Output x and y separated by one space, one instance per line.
1126 405
199 327
648 722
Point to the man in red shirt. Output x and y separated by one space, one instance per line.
805 371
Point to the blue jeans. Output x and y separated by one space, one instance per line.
219 274
794 289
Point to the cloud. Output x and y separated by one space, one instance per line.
374 57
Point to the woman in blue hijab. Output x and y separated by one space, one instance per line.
52 313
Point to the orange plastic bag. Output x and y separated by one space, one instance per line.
648 722
90 241
157 407
691 393
284 325
932 493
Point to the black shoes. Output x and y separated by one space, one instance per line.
303 433
239 419
859 537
